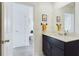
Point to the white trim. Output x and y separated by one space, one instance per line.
2 28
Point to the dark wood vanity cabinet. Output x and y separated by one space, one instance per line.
47 47
72 48
50 48
55 47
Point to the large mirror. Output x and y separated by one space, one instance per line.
68 13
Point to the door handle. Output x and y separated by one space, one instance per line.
5 41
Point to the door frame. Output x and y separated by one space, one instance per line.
0 28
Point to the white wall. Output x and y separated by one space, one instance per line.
60 4
77 17
41 8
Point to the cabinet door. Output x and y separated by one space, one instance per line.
57 51
46 46
72 48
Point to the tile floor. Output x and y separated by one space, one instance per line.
24 50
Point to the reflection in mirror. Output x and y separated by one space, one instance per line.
68 12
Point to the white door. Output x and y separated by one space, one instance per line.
21 25
7 48
15 27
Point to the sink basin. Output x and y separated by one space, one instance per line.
62 34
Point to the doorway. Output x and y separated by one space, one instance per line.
18 29
69 22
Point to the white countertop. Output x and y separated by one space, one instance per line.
67 38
